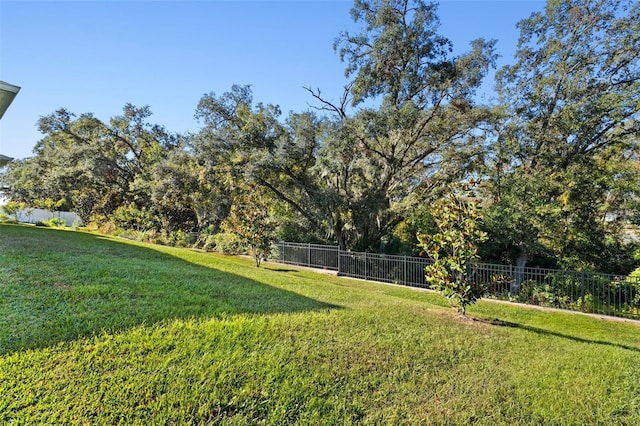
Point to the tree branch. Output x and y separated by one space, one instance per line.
339 109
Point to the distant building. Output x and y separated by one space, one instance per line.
31 215
4 160
7 93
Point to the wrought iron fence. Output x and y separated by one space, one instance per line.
403 270
579 291
311 255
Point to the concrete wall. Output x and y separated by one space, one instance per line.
41 215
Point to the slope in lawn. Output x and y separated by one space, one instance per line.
57 285
239 345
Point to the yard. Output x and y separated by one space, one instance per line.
99 330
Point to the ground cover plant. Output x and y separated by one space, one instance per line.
97 330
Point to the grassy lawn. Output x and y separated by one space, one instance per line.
96 330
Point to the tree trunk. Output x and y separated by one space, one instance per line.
521 261
339 234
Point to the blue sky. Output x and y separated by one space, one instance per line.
95 56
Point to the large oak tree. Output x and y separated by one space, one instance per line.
567 148
357 171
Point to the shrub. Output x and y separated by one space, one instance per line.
228 243
132 217
541 294
153 236
131 234
6 219
107 227
587 304
181 239
55 222
11 209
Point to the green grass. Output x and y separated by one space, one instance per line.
96 330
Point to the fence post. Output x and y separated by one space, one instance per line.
366 265
309 254
404 270
512 280
582 291
338 260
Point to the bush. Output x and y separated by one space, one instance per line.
598 293
541 294
149 236
55 222
10 208
180 239
107 227
153 236
131 217
631 289
131 234
228 243
6 219
52 223
588 304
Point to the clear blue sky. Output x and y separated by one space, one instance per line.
95 56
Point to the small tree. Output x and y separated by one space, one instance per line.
454 247
250 220
11 209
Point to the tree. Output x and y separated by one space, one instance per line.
454 247
20 180
63 164
15 209
399 57
353 176
250 220
170 185
245 144
91 165
575 97
421 132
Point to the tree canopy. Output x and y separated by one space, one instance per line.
556 156
565 167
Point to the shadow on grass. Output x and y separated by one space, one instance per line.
544 332
57 285
275 269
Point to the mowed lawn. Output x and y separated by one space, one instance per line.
97 330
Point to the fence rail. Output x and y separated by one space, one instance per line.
604 294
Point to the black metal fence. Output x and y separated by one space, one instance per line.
311 255
579 291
